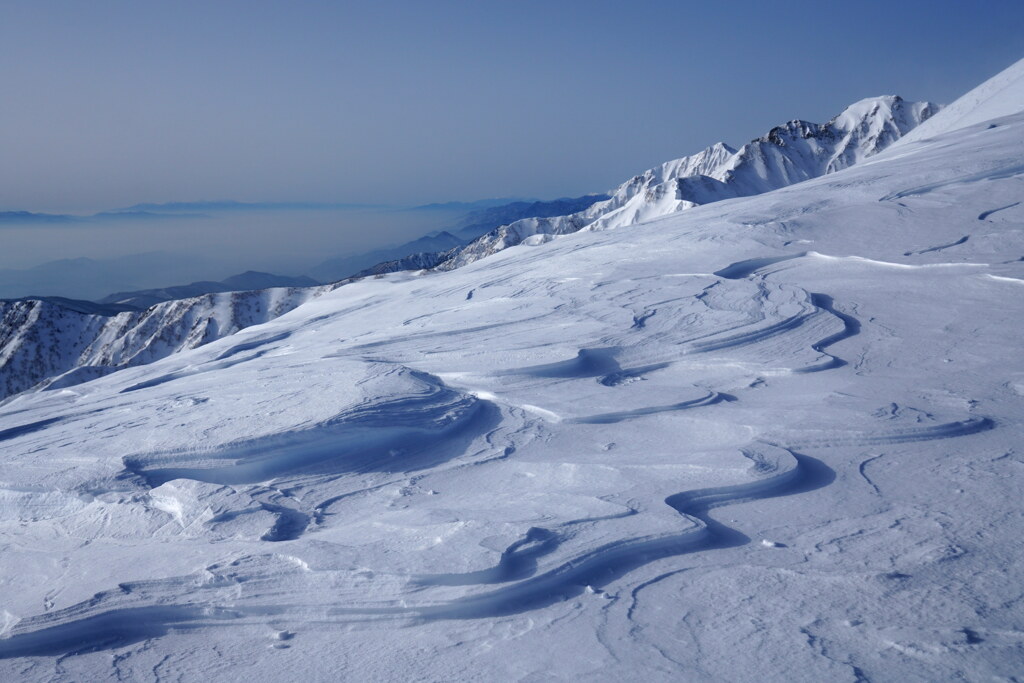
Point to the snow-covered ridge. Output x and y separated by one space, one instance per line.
787 154
43 342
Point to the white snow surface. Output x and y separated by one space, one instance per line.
772 438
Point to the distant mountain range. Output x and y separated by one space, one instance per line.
92 279
224 205
28 217
202 209
247 281
32 218
482 219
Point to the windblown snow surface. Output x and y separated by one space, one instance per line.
771 438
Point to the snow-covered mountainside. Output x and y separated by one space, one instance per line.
336 269
771 438
50 343
482 221
788 154
428 248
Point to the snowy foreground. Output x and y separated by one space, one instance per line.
775 437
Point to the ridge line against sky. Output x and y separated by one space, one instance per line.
117 103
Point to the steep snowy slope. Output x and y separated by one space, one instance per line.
1002 95
772 438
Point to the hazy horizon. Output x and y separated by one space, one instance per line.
235 241
113 104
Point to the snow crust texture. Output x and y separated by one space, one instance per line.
771 438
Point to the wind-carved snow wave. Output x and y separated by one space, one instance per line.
542 568
418 428
143 610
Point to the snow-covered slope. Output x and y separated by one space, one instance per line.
788 154
775 438
47 343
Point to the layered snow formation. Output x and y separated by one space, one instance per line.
771 438
50 344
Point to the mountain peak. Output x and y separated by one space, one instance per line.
793 152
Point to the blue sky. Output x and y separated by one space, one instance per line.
107 104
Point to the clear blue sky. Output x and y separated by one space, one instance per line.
110 103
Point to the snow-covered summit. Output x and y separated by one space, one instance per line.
787 154
799 150
872 124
